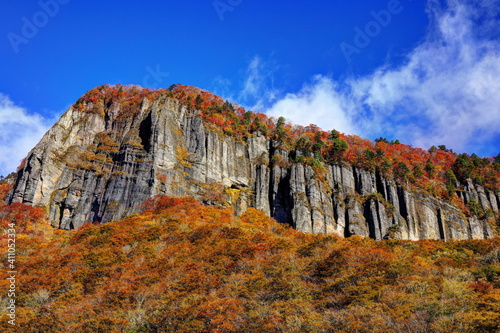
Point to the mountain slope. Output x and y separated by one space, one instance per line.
117 146
184 267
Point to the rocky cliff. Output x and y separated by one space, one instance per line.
100 166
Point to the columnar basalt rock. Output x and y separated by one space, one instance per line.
92 167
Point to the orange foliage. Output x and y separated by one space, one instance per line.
4 190
181 266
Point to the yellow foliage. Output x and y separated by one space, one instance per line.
183 157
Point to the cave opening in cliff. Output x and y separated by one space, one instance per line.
145 133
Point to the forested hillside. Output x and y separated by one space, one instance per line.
181 266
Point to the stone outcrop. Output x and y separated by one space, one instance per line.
93 167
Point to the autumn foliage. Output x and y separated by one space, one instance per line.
4 190
181 266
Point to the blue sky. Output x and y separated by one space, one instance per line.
423 72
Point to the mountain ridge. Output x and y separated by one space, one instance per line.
120 145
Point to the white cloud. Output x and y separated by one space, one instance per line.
446 92
258 87
318 103
449 84
19 133
254 79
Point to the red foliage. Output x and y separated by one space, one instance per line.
21 165
481 286
160 203
21 215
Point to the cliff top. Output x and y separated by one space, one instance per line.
436 170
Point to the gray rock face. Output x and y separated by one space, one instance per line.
98 168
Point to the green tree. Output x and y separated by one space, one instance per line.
381 139
451 182
385 166
228 106
401 171
198 101
418 172
304 144
430 168
247 117
334 134
369 159
318 146
337 151
280 130
463 167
